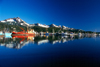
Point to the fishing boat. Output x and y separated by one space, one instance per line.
7 34
23 33
31 38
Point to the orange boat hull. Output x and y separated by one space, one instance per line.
22 34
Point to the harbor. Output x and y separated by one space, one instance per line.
18 42
33 33
31 36
43 48
49 33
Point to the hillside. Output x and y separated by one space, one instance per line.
6 27
10 28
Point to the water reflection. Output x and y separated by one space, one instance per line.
19 42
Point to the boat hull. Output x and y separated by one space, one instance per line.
8 34
22 34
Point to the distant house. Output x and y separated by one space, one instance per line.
53 25
41 25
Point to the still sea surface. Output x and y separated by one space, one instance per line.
50 51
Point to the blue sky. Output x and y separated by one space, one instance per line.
79 14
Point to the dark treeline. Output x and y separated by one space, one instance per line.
51 29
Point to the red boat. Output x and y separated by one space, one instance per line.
31 38
23 33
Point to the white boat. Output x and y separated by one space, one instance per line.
7 35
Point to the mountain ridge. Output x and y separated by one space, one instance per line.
19 21
13 21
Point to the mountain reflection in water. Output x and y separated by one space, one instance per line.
18 43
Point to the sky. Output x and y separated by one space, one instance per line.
79 14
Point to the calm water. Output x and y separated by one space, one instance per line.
50 51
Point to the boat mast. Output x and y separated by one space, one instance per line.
22 29
27 28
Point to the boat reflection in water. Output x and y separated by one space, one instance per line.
18 42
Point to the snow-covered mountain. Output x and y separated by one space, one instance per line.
19 21
15 21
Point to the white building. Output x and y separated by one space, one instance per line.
41 25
